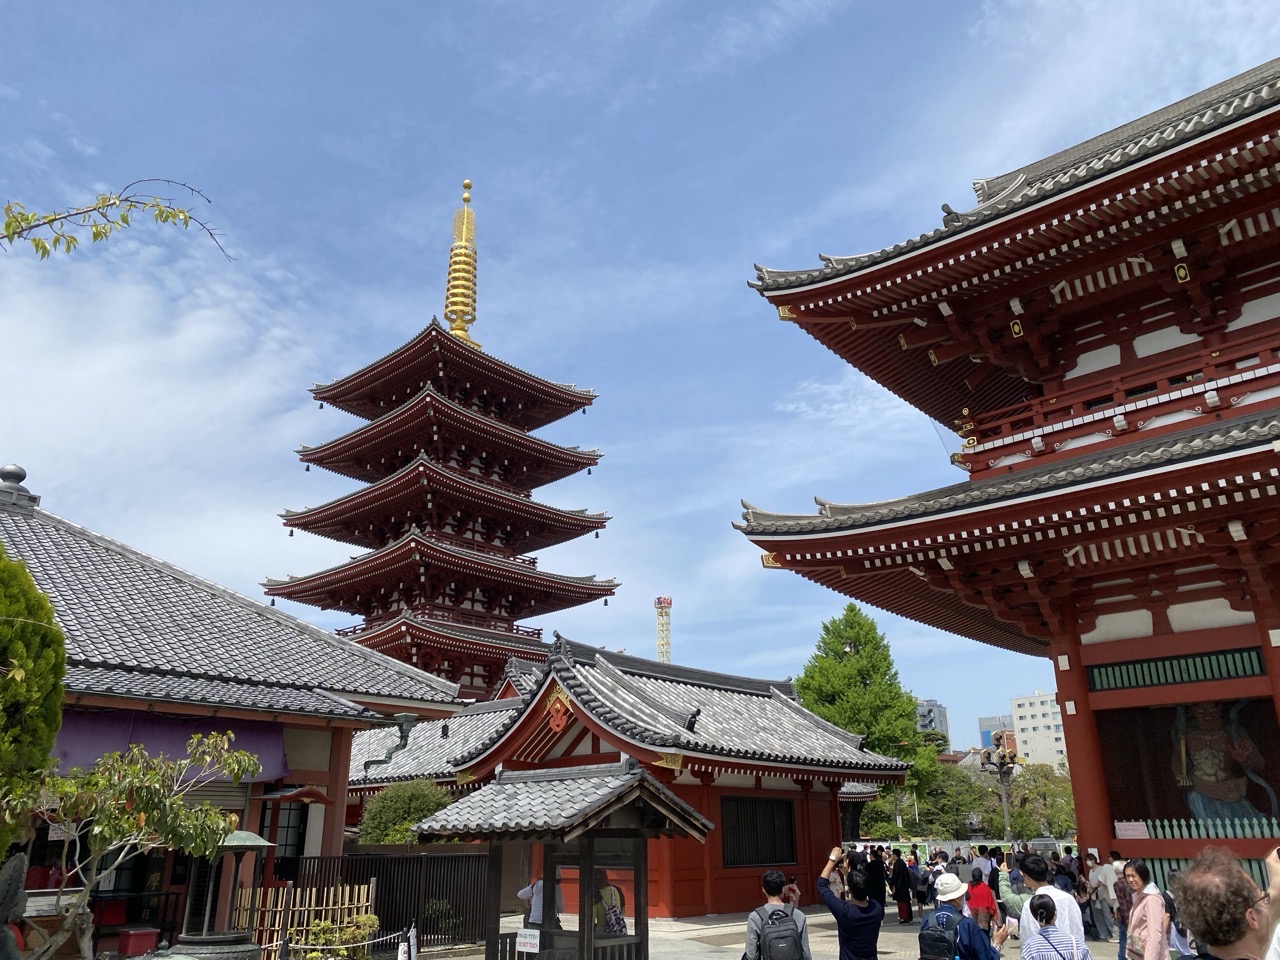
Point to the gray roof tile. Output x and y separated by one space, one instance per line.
168 687
1158 132
744 719
553 802
136 623
432 743
1199 441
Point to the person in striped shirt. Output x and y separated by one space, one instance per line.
1048 942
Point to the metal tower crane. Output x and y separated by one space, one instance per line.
662 606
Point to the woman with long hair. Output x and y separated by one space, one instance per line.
1148 937
1048 942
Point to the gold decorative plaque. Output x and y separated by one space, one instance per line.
785 312
559 695
672 761
770 561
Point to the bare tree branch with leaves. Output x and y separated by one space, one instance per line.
62 230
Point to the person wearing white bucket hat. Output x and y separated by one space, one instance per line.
948 935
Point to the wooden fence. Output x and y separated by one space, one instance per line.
282 910
1240 828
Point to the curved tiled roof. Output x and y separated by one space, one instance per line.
561 802
477 425
1249 93
407 483
573 396
171 686
675 715
1140 455
137 626
431 744
424 542
496 639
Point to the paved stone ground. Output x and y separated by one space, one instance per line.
723 936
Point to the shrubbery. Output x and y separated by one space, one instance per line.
390 815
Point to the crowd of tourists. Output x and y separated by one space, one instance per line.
1054 905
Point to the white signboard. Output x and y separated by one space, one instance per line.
1131 830
528 941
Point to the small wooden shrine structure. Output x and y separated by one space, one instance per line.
1103 331
592 821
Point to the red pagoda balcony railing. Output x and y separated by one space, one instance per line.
1202 384
477 546
446 616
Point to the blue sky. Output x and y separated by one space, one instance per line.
631 162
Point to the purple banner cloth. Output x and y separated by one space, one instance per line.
88 734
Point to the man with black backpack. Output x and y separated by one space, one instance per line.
947 935
776 931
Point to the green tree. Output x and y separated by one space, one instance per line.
125 805
32 665
851 681
63 229
391 813
936 739
1041 803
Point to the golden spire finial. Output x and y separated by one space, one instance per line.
460 291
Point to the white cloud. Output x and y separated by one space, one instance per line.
631 162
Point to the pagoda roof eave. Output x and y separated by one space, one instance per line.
966 285
384 494
900 592
412 550
899 556
1186 121
340 392
1232 437
422 628
408 418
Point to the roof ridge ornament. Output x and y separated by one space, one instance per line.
12 492
560 649
460 289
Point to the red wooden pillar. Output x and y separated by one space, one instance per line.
708 887
834 823
1084 748
339 773
662 857
804 857
1266 611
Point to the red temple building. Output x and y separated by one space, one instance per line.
780 784
1103 331
447 515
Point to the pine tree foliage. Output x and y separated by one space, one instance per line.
851 681
32 664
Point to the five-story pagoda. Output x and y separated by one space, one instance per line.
447 515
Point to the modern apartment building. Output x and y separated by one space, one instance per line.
931 715
1037 721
